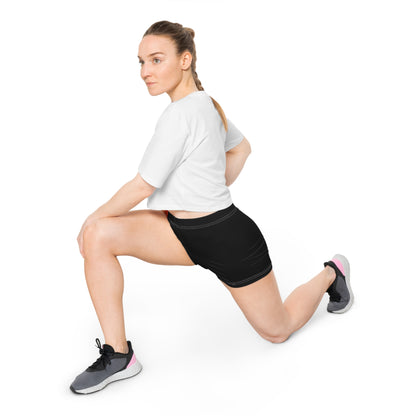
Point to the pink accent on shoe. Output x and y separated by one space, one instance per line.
132 361
339 265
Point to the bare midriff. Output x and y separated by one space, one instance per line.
189 214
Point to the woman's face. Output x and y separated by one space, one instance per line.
161 68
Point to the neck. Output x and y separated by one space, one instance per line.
182 91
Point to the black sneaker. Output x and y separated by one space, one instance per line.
340 293
111 366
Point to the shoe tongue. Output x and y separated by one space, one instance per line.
108 348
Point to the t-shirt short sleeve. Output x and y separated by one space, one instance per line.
233 136
166 148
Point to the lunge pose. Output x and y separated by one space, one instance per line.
195 154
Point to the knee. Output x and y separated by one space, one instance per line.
277 337
96 235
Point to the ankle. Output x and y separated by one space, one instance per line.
120 347
331 275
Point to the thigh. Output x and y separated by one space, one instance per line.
145 234
262 305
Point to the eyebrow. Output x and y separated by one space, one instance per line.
154 53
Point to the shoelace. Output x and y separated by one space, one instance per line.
104 357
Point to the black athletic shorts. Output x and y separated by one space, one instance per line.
227 242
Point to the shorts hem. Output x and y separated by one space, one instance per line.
251 279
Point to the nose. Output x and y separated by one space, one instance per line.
145 72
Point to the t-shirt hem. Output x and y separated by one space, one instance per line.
234 144
190 208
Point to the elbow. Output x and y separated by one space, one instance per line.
247 150
248 147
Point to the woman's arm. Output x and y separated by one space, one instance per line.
235 160
126 198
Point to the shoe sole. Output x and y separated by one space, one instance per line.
126 373
346 265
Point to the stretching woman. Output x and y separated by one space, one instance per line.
195 154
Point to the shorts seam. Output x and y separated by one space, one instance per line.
194 227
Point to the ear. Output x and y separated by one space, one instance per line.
186 60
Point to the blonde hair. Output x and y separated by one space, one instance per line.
183 37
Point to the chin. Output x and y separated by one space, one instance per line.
154 93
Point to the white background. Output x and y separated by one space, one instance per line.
325 93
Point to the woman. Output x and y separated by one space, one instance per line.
192 158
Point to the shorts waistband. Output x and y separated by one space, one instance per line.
207 219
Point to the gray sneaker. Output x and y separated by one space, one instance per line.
340 293
110 366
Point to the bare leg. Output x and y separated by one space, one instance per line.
106 284
145 234
305 299
274 320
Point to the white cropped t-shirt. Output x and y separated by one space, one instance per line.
185 158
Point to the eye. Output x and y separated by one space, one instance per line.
154 59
